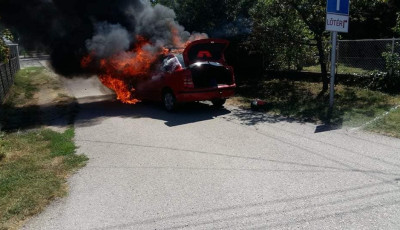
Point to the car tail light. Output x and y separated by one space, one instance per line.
188 81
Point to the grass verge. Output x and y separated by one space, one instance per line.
36 98
33 171
341 69
303 101
34 164
20 108
387 125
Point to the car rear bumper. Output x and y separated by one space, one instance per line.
206 94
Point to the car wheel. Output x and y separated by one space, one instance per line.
218 102
169 101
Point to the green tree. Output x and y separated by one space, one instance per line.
288 24
4 50
313 12
372 19
279 35
396 28
291 26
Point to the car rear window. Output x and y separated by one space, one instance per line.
180 59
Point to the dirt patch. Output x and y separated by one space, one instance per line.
55 102
240 102
37 98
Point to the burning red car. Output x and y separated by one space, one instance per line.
199 73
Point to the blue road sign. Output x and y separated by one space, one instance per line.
338 7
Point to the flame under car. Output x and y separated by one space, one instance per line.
199 73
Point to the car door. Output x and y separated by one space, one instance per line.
151 89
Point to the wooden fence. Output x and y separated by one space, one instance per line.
7 72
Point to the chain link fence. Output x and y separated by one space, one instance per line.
360 56
8 70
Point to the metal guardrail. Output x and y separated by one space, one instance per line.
8 70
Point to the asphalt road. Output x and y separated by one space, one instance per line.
203 168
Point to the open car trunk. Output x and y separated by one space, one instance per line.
210 74
206 61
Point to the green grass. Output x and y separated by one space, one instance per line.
33 172
301 100
34 164
341 69
388 125
26 84
314 69
20 109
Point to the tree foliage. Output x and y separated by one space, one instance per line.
279 35
372 19
292 30
396 28
392 60
4 50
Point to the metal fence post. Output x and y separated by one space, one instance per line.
3 85
392 57
10 63
392 45
8 71
18 64
7 76
337 56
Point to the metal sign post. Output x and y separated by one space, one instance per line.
333 67
337 20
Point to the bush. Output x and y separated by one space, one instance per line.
392 60
4 50
387 81
375 80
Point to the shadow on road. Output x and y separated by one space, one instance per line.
251 118
94 111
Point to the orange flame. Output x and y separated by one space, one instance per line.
121 71
85 62
124 93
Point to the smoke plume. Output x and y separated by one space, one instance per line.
108 40
72 29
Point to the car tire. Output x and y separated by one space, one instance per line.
218 103
169 101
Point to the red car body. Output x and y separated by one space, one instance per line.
200 73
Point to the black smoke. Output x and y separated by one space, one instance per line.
71 29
